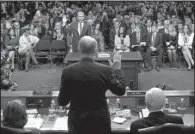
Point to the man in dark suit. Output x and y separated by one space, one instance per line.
165 32
84 85
154 44
139 38
79 29
148 29
155 101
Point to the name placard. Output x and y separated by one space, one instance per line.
103 55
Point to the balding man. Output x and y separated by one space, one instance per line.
79 29
155 101
84 85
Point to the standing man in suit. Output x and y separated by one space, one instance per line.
155 101
139 38
79 29
154 44
84 85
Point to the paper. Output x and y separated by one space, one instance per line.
119 120
61 123
145 112
32 111
34 123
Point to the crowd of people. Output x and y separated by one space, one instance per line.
152 28
126 27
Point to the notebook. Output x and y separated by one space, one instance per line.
34 123
61 123
119 120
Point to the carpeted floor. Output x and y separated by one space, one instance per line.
180 79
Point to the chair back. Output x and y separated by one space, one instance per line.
58 45
167 128
9 130
43 45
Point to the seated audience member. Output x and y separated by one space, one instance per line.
33 30
192 30
26 44
46 32
5 32
58 32
185 41
171 45
139 38
14 115
17 29
160 24
155 102
97 34
165 31
122 40
180 27
11 45
131 30
154 43
148 29
113 33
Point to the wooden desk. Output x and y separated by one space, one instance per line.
130 65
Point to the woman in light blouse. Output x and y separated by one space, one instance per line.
122 40
185 41
26 44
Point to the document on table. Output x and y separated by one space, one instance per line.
32 111
119 120
34 123
61 123
145 112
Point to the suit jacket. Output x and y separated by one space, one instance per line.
158 41
75 34
154 119
165 35
145 30
85 91
133 38
112 36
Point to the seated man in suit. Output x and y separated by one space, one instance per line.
138 42
155 101
154 43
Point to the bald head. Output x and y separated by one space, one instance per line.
87 45
155 99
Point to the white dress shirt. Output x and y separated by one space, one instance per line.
26 42
82 23
181 40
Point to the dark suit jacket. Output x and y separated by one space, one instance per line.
133 38
158 41
112 36
84 85
76 37
165 36
154 119
146 32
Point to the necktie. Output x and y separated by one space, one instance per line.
153 39
138 37
81 28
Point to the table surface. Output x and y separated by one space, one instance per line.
126 56
187 118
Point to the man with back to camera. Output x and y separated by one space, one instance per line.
155 101
84 85
78 29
